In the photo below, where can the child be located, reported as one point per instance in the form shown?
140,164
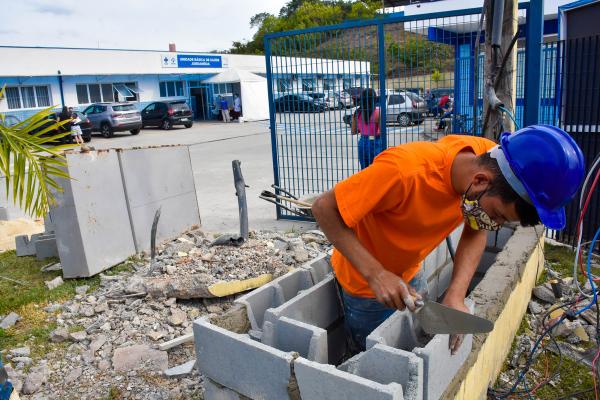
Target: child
76,129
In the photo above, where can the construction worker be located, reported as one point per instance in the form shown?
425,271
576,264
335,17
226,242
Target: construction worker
385,219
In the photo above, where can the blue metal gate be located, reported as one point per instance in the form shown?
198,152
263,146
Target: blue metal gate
316,75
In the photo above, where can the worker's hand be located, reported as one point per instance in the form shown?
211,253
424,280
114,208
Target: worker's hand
457,339
392,291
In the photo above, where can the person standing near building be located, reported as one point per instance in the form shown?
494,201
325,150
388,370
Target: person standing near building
366,121
224,109
75,128
237,107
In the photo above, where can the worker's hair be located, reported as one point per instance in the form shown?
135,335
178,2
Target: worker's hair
368,99
527,213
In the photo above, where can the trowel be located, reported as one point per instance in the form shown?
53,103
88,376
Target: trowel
437,318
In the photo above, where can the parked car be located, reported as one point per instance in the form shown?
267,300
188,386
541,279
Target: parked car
343,100
9,120
355,93
108,118
166,114
323,98
403,107
298,103
85,124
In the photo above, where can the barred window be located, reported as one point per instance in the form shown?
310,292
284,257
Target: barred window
28,97
171,88
13,98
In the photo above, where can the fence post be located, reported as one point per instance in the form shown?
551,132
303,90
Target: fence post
382,85
267,43
533,61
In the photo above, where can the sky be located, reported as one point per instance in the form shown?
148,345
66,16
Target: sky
193,25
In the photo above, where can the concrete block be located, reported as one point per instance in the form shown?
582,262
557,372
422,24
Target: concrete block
384,364
214,391
25,246
319,268
92,227
156,178
322,381
274,294
307,340
240,363
397,331
45,247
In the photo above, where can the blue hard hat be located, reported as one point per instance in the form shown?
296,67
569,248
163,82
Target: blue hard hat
545,166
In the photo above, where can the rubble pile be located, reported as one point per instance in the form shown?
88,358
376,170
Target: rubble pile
114,341
573,338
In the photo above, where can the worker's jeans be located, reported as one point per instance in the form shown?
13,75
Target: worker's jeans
368,150
362,315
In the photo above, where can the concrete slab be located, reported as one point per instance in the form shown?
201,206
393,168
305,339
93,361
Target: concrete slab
159,177
322,381
45,246
93,231
240,363
214,391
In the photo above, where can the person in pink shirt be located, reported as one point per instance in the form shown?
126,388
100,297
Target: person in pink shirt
366,122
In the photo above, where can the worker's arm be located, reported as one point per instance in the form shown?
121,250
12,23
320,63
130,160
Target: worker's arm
388,287
354,127
468,253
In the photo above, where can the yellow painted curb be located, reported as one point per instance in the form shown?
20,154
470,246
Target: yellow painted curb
496,346
221,289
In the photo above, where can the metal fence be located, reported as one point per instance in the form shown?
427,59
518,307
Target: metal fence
571,100
314,76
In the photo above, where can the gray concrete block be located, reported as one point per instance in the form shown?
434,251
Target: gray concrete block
322,381
25,246
307,340
384,364
240,363
154,178
274,294
397,331
45,247
92,227
214,391
319,268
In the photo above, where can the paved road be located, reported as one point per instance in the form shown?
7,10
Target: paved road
214,145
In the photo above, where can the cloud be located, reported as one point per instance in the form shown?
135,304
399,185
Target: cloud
53,9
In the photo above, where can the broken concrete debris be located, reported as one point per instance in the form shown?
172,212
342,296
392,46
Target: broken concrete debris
9,321
54,283
120,337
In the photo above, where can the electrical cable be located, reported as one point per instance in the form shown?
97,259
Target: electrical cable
510,115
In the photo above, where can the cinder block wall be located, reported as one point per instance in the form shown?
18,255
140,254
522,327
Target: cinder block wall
296,322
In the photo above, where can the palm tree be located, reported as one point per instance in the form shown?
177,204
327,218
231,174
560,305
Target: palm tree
31,163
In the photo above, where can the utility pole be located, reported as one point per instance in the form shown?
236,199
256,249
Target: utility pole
500,65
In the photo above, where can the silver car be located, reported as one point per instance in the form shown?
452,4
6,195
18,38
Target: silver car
405,108
108,118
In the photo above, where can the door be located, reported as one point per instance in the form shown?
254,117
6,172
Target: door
395,105
202,104
148,114
92,114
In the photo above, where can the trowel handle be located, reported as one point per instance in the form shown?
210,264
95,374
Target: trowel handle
419,303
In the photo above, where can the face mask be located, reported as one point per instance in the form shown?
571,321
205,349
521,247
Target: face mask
475,216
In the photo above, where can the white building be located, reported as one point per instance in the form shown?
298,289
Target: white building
38,77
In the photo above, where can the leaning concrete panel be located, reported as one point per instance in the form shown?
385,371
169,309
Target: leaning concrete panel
92,225
322,381
240,363
162,178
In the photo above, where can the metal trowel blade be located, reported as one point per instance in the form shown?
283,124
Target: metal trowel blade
437,318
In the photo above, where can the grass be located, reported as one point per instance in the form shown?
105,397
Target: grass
560,259
28,300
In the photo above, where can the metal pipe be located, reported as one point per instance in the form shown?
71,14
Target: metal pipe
497,20
240,192
60,86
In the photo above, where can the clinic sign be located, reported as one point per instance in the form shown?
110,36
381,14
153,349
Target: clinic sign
173,60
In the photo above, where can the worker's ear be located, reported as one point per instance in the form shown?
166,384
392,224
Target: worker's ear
481,181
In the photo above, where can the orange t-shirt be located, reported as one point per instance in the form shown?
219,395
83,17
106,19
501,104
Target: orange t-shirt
402,206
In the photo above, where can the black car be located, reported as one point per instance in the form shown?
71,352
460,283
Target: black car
298,103
166,114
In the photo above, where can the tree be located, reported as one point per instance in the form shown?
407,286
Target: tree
31,163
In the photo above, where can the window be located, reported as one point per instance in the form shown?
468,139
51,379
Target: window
308,84
27,97
171,89
395,99
283,85
151,107
95,96
347,83
82,94
106,92
328,84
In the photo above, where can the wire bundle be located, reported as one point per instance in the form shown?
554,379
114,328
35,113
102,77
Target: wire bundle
571,307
